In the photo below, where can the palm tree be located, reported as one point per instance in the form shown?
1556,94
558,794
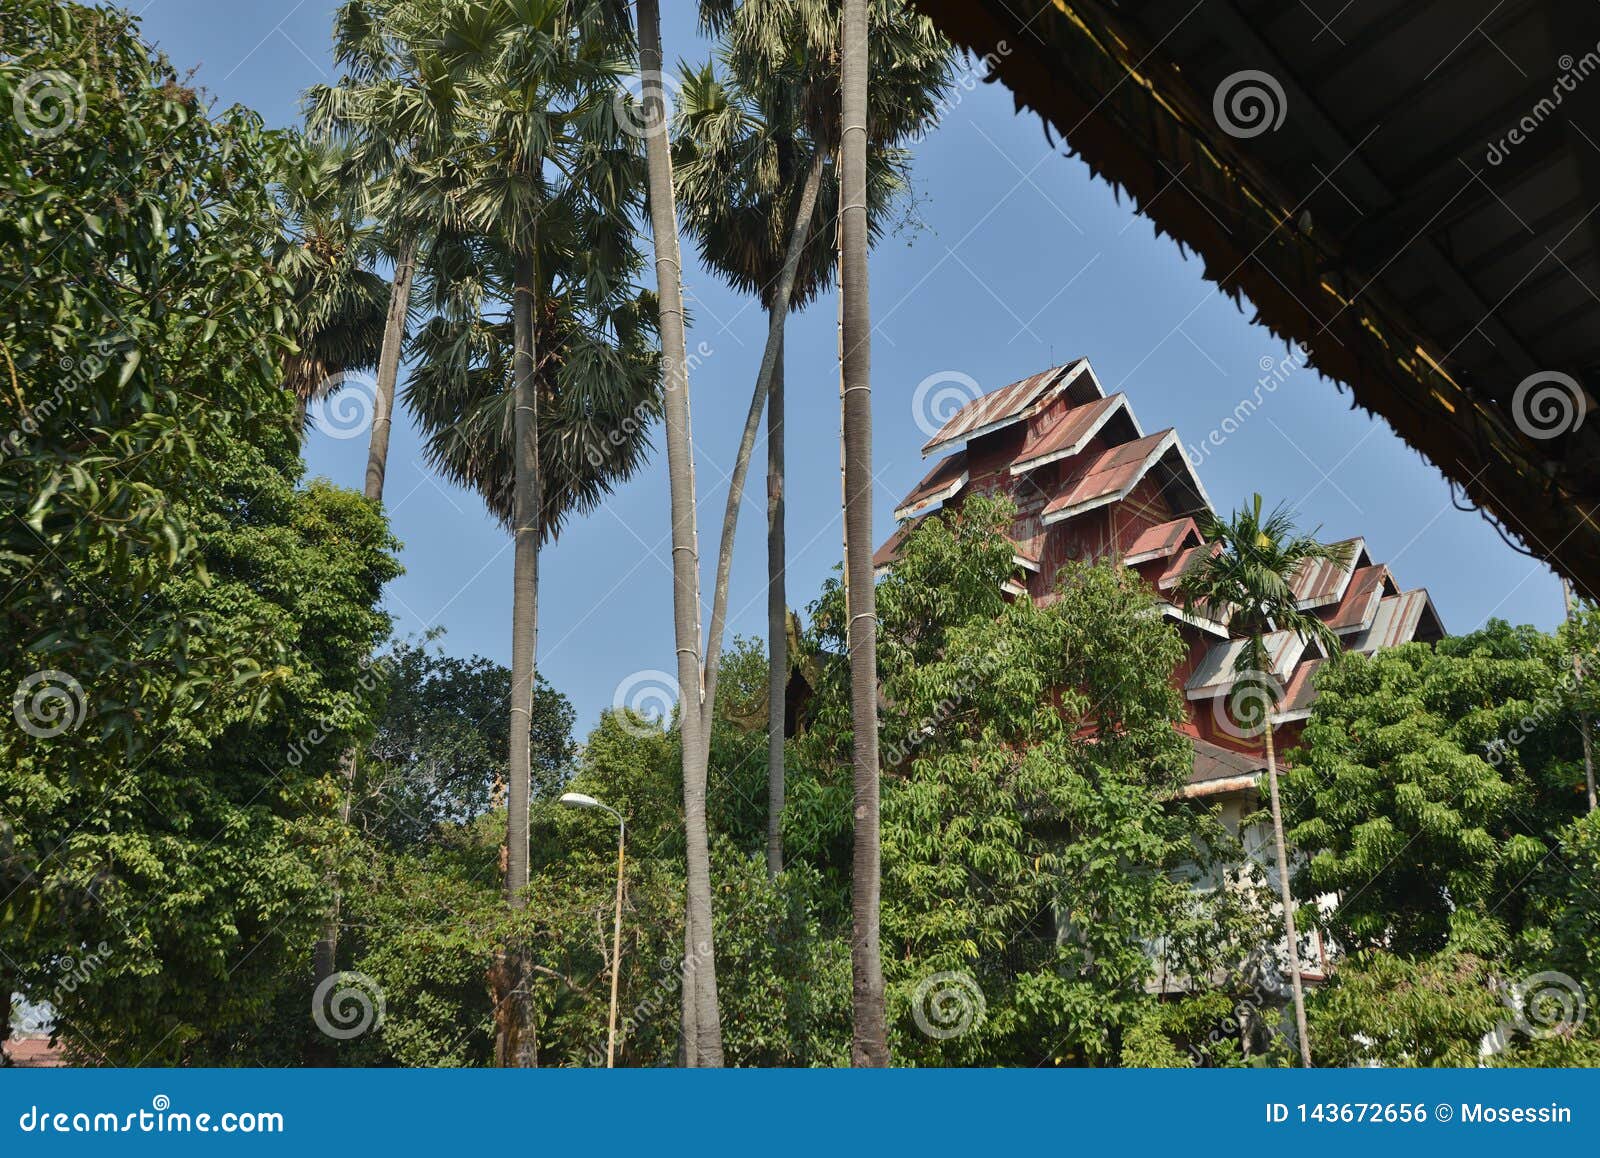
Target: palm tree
326,252
702,1032
544,177
1252,576
794,52
739,150
391,110
870,1044
738,168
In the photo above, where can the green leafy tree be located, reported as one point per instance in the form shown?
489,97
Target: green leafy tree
1438,795
1039,874
181,613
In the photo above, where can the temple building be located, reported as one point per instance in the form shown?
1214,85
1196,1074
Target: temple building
1090,484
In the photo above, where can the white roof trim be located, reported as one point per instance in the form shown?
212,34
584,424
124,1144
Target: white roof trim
1167,445
1120,405
1065,376
1173,611
911,510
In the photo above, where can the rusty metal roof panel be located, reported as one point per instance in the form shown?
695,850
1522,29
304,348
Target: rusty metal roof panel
1360,602
1186,558
890,551
1213,763
1216,674
1322,582
1108,476
943,482
998,408
1395,621
1067,436
1161,541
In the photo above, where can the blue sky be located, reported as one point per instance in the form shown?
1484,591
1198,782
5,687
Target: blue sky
1017,260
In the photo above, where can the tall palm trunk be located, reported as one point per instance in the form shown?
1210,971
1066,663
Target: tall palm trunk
777,619
770,355
1287,898
394,334
871,1040
1577,687
515,1042
324,957
701,1024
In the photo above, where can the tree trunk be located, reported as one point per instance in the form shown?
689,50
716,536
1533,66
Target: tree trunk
777,311
516,1045
871,1041
394,336
701,1022
1287,897
777,620
324,956
1577,687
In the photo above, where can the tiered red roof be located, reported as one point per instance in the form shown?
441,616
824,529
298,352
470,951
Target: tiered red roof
1090,484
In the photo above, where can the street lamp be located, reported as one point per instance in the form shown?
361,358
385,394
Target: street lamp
579,800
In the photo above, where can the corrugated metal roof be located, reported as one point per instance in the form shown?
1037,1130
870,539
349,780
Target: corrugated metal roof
1395,622
1186,559
1107,476
946,479
1160,541
997,408
1068,436
1322,582
890,551
1213,762
1360,602
1215,673
1300,693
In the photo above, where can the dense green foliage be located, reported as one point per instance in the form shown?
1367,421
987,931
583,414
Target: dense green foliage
188,623
1436,798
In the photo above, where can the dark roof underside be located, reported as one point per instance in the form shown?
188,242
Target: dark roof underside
1390,222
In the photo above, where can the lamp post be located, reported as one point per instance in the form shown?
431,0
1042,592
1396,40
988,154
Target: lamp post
579,800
